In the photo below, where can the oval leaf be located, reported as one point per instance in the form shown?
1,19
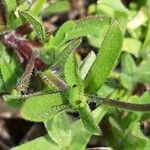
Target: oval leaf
43,107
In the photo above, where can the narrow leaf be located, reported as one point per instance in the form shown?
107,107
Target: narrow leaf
70,47
105,60
37,24
88,120
71,71
89,60
81,136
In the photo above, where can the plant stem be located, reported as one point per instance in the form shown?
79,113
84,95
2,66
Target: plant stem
119,104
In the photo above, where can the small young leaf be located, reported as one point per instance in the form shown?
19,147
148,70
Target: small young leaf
70,47
43,107
132,46
55,82
128,70
76,94
128,64
71,72
106,59
37,25
89,60
142,73
73,80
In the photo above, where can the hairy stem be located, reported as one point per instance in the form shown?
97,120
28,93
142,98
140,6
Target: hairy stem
119,104
23,82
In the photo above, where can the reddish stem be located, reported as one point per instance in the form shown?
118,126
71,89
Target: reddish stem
22,46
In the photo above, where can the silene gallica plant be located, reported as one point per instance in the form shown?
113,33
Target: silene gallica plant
46,79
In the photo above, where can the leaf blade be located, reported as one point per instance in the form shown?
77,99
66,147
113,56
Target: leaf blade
106,59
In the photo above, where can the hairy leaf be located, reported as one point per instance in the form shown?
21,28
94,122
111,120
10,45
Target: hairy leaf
87,26
43,107
70,47
37,24
105,60
88,120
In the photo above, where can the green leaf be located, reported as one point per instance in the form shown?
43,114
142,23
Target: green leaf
128,71
87,26
59,129
43,107
8,76
12,101
61,33
44,142
138,20
105,60
128,64
53,81
88,61
37,24
71,71
145,47
81,136
132,46
37,6
10,5
142,73
88,120
2,89
127,81
76,94
74,82
96,39
56,7
70,47
115,9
